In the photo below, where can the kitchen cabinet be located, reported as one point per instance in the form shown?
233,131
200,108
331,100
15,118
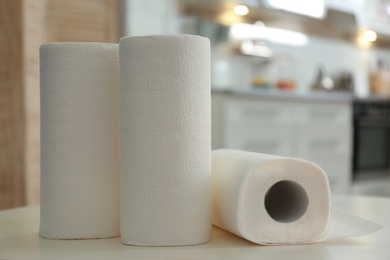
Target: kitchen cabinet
316,130
375,15
372,14
347,6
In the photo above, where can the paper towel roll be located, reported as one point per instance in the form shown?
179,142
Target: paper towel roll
79,140
165,140
271,199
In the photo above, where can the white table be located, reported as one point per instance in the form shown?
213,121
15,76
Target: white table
19,240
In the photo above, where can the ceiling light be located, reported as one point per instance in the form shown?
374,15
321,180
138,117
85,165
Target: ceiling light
286,37
243,31
249,47
246,31
370,35
363,43
241,10
313,8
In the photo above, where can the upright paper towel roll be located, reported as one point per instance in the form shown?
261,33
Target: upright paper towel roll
271,199
79,140
165,140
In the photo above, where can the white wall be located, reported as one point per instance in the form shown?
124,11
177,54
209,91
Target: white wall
231,70
333,55
147,17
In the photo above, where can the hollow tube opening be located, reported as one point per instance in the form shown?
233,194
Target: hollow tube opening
286,201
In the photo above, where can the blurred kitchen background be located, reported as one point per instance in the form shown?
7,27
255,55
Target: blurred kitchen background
302,78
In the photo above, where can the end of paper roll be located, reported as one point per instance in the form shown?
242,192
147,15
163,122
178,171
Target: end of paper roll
286,201
269,199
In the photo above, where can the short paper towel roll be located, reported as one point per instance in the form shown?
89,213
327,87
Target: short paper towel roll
165,140
79,140
270,199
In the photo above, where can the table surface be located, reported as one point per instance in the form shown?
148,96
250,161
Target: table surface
19,240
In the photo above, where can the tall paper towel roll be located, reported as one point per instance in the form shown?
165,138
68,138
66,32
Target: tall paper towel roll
79,140
165,140
271,199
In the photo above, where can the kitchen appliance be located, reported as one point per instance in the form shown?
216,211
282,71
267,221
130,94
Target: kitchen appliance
371,138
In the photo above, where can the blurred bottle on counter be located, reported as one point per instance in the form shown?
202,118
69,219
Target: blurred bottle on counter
260,74
380,79
285,72
276,72
322,81
344,81
341,81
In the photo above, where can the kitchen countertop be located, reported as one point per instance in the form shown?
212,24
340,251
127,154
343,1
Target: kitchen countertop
19,240
286,95
313,96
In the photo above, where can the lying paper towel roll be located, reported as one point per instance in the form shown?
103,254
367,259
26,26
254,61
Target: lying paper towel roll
165,140
271,199
79,140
